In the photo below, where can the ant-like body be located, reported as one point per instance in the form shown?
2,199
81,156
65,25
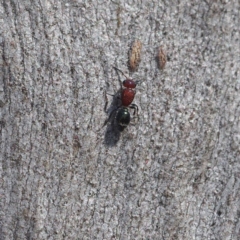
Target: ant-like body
127,95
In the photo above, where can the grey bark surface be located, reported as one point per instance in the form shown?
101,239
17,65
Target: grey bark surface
173,174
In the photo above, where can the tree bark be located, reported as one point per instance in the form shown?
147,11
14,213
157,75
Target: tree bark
173,173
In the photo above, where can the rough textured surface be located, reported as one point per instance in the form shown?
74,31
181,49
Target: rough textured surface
173,175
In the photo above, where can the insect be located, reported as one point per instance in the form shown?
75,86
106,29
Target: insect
135,55
127,95
162,58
